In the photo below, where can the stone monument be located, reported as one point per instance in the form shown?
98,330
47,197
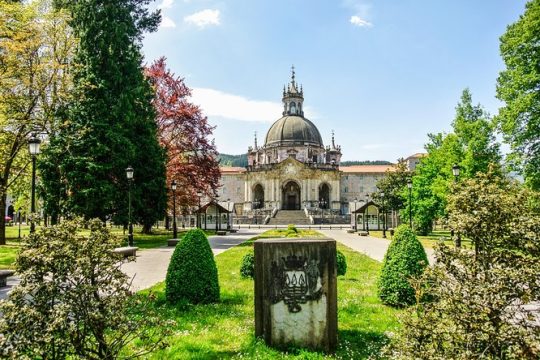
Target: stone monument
296,293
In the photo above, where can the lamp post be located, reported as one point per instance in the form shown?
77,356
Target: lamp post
33,147
455,171
129,175
19,216
355,224
384,217
366,213
199,195
228,214
173,188
409,186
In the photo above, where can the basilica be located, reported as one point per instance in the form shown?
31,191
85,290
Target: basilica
294,170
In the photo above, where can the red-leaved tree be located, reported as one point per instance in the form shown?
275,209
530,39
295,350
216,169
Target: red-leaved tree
186,134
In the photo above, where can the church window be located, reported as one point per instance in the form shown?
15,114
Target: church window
293,108
346,189
361,189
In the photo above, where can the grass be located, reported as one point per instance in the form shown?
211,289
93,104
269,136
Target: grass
159,237
226,330
429,241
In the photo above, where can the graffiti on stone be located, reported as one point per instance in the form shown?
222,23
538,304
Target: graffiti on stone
295,281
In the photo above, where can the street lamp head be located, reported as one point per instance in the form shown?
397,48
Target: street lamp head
409,184
455,170
129,173
173,185
33,145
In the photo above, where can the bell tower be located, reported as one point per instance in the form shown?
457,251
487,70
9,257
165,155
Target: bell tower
293,98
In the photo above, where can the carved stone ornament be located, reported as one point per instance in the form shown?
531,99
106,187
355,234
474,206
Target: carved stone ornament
290,169
295,280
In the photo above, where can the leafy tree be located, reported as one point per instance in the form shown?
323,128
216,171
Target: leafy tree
111,122
192,276
517,87
394,185
36,48
185,132
81,305
404,259
478,299
472,146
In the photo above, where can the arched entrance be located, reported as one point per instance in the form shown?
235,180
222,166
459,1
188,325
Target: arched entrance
291,196
258,197
324,196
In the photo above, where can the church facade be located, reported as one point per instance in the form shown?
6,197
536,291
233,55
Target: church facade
294,170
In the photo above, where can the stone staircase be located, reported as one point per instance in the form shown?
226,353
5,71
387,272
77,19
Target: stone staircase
286,217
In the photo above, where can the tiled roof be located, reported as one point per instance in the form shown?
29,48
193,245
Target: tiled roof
418,155
366,168
232,169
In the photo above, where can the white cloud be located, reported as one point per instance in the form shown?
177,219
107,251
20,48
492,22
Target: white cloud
167,22
217,103
204,18
165,4
358,21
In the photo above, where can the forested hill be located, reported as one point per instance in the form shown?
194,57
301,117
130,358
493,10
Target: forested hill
241,161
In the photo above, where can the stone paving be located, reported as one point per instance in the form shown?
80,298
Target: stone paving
373,247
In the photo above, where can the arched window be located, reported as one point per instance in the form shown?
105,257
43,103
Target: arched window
292,108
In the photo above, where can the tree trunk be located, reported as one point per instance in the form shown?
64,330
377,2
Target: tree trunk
147,229
3,199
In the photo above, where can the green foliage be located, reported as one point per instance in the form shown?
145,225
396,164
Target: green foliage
341,263
81,302
365,162
233,160
517,87
247,269
292,227
192,274
110,124
394,186
405,259
479,297
472,146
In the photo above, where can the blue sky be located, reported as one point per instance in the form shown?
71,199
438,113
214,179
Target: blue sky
382,74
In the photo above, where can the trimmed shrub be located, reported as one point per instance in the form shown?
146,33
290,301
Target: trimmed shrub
247,269
292,228
404,259
192,275
341,263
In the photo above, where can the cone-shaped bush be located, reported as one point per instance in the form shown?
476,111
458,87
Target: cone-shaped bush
404,259
192,275
341,263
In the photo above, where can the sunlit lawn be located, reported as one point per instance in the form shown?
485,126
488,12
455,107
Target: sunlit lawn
158,238
226,330
430,240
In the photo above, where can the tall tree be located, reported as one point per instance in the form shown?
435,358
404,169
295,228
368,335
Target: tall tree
185,132
36,48
393,184
472,146
110,124
518,87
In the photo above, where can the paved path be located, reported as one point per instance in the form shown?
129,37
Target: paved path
150,267
373,247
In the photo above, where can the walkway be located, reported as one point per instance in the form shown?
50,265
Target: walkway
150,266
373,247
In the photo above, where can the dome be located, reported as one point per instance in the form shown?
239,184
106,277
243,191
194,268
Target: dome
293,130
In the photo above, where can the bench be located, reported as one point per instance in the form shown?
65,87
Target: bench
351,231
363,233
221,232
127,251
4,274
173,242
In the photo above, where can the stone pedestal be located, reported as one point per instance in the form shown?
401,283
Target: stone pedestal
296,293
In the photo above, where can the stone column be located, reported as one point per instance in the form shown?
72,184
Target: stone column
296,293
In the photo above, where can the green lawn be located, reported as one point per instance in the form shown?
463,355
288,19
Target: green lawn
430,240
226,330
158,238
